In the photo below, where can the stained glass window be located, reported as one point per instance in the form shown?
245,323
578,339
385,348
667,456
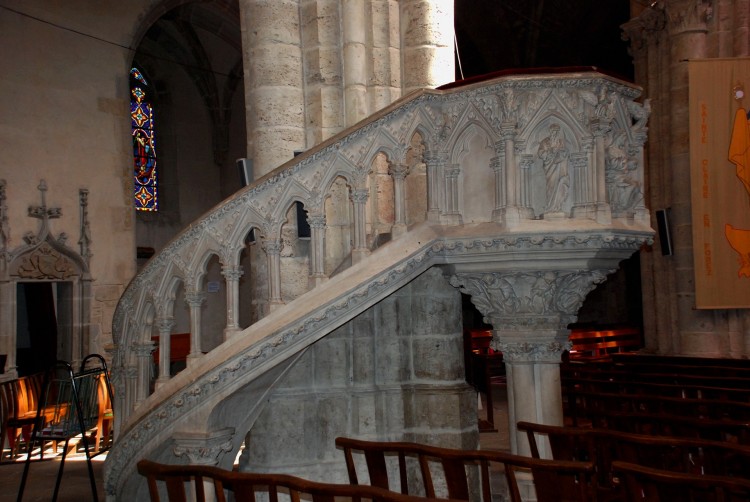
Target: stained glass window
144,147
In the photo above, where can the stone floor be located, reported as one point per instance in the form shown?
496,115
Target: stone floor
75,485
40,483
499,438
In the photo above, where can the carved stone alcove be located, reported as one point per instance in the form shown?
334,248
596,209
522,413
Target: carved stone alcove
45,259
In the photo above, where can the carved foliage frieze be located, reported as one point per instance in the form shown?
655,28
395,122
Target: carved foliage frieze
46,263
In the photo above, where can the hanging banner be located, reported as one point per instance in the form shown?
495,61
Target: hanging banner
720,181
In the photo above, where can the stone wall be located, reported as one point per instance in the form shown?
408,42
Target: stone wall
395,372
664,38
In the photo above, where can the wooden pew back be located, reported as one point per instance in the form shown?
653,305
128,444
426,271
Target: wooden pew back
193,482
553,480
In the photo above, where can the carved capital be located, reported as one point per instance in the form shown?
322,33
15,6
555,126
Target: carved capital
272,246
204,449
165,324
359,196
195,298
398,171
316,221
452,171
532,352
143,349
508,129
643,30
232,273
544,300
686,16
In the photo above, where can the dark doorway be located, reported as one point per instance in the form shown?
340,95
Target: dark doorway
36,341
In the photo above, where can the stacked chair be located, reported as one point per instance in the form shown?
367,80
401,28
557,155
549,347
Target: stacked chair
72,404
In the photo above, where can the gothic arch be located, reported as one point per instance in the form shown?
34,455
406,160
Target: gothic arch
45,258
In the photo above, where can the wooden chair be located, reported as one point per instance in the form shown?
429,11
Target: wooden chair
655,485
104,399
69,408
553,480
20,398
181,480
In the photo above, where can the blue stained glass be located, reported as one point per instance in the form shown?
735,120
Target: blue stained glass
144,144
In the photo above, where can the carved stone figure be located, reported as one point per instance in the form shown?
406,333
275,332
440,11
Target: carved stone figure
623,185
554,157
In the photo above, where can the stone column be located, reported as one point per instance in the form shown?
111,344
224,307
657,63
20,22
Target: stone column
232,274
323,61
507,178
195,300
359,198
273,82
427,43
686,24
451,214
143,351
600,127
434,163
165,325
530,311
317,224
272,247
399,172
354,14
385,55
649,45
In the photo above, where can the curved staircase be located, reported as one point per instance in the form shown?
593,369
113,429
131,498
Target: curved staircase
488,227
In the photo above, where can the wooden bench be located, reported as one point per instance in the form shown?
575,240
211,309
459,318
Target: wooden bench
602,343
179,480
553,480
602,447
645,483
620,385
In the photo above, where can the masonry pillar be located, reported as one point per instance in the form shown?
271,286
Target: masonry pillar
508,180
143,353
353,14
165,325
272,247
399,172
273,81
434,163
530,311
317,224
686,23
359,198
427,43
451,212
195,300
232,275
